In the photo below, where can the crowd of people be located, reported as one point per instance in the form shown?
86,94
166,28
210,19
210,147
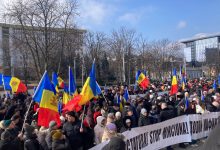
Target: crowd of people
103,118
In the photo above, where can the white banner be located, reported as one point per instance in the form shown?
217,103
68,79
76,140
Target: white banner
202,125
157,136
177,130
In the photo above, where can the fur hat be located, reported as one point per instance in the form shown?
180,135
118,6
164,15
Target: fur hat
56,134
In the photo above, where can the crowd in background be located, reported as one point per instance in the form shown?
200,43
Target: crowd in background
104,119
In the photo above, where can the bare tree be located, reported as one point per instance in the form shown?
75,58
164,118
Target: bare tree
44,24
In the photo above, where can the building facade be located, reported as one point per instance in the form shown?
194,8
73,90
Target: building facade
195,48
15,54
202,52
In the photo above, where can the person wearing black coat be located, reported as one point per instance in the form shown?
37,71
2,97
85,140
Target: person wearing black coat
144,119
59,141
30,139
73,131
6,142
115,143
166,113
127,124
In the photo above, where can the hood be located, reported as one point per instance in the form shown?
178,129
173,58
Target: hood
99,120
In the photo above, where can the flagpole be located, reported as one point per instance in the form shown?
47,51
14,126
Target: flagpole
26,114
83,116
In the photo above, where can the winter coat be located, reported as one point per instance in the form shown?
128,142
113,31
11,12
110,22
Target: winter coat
99,130
125,127
8,145
48,139
166,114
42,139
143,120
61,145
31,142
115,143
72,132
119,124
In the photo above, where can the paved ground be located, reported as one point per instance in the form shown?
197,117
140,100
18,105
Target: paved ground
189,147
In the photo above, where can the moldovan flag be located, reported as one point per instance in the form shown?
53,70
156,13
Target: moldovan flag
142,80
66,96
14,84
90,88
57,81
45,95
183,83
174,86
72,84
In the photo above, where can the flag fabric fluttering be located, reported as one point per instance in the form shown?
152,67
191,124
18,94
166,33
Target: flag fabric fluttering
183,83
214,86
142,80
73,105
202,97
66,96
1,78
45,95
57,81
72,84
219,81
119,102
90,88
174,85
126,94
14,84
186,103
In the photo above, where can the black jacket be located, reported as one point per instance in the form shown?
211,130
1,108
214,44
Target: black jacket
143,120
31,143
61,145
8,145
72,131
167,114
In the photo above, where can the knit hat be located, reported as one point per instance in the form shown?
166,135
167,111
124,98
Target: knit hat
72,114
52,124
2,124
118,114
143,110
111,127
7,123
56,134
128,121
5,135
28,129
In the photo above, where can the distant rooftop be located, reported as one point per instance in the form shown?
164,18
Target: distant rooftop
200,37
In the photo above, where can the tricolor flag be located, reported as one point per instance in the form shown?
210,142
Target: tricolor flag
214,85
186,103
202,97
72,84
57,81
174,85
219,81
1,79
126,94
13,84
142,80
45,95
90,88
119,102
183,82
66,96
